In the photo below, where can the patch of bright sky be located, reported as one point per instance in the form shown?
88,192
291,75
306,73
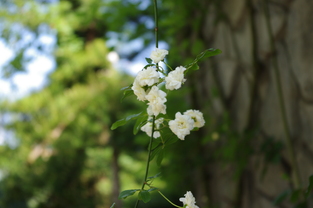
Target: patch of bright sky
34,78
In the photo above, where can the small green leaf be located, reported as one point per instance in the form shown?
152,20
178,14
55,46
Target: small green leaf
112,205
208,53
127,93
205,54
152,189
171,138
139,123
155,152
123,121
194,67
144,196
148,65
127,193
160,157
149,60
155,176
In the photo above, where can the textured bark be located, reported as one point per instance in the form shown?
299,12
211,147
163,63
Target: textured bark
244,75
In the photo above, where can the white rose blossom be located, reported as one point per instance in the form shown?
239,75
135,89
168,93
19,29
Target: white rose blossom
197,116
158,55
148,127
156,98
147,77
139,91
182,125
175,78
189,200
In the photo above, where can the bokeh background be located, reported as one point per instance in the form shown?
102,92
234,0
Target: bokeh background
57,149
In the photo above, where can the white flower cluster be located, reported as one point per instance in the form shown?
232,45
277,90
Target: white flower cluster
183,124
189,200
145,87
148,127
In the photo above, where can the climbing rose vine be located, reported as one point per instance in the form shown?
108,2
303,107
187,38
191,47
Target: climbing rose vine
151,86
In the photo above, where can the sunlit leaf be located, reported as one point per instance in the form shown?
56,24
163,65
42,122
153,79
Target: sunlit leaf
144,196
127,193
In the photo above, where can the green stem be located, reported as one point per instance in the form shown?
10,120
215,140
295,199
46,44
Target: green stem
156,27
169,200
148,159
295,169
153,118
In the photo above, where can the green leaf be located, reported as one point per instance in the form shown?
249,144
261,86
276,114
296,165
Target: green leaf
112,205
310,187
149,60
155,152
205,54
127,92
145,196
148,65
152,189
208,53
155,176
171,139
160,157
127,193
123,121
139,123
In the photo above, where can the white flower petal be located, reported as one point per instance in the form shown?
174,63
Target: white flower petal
182,125
189,200
158,55
156,98
175,78
197,116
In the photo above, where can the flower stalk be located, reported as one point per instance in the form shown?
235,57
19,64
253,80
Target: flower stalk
168,200
148,159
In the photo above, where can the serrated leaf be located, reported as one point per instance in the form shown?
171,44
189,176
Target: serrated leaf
149,60
139,123
127,193
123,121
144,196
